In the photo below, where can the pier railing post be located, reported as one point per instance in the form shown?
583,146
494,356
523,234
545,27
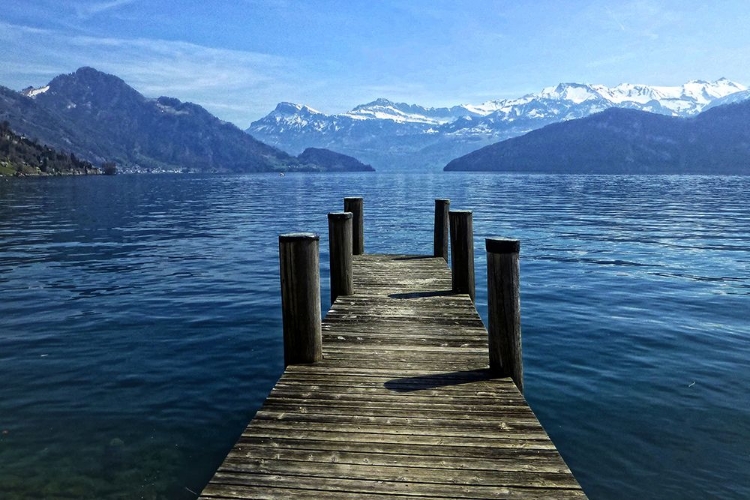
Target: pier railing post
340,250
462,252
299,256
441,228
354,205
504,308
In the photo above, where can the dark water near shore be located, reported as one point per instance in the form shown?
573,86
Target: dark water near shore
140,322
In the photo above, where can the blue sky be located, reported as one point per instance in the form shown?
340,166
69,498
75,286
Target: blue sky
238,58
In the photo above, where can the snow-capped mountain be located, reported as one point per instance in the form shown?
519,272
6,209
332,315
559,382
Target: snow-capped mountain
399,135
734,98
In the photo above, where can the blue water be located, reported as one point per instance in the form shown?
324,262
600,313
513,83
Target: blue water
140,322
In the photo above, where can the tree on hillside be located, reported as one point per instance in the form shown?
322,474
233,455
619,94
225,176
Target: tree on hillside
109,168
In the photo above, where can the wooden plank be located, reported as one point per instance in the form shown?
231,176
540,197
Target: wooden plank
356,487
391,455
402,405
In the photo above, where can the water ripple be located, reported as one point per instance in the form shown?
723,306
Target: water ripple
141,319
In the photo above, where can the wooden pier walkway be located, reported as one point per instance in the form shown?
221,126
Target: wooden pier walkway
402,406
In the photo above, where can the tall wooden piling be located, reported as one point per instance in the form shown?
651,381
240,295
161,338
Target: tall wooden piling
340,249
442,207
504,308
462,251
300,297
355,206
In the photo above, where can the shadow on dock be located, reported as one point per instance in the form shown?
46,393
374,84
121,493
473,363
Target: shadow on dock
413,257
435,380
419,295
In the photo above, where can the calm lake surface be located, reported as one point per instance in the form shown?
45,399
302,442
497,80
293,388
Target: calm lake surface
140,320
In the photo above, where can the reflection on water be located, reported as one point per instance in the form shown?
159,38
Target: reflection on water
141,320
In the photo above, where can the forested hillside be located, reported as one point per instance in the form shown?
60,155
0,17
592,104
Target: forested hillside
22,156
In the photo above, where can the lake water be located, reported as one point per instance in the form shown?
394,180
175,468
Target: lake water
140,321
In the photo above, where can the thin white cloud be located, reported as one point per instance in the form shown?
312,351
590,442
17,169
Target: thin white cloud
235,85
639,18
615,18
88,10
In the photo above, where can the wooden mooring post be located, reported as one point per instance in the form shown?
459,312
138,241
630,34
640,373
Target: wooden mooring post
299,260
442,207
462,252
504,308
355,206
340,250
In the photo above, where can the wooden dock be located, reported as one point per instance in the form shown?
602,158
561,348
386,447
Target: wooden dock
402,405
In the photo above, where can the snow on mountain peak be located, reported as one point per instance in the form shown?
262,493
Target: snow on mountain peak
384,109
384,132
573,92
33,92
558,101
290,108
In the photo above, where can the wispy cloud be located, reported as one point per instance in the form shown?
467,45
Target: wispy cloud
238,86
615,18
88,10
639,18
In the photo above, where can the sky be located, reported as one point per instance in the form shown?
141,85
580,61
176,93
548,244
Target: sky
239,58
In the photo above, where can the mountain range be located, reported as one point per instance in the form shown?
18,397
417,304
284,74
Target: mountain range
626,141
405,136
101,119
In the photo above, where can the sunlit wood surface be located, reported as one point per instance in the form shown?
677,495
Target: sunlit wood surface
402,406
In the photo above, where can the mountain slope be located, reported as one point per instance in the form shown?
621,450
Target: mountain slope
99,117
620,141
22,156
401,136
332,161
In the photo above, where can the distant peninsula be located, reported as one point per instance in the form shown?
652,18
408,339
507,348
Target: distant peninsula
625,141
335,162
99,118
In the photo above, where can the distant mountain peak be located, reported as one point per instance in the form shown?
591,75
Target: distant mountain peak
381,101
89,75
101,118
387,133
33,92
290,108
625,141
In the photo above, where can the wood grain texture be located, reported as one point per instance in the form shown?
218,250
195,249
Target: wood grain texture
356,207
340,252
462,252
299,262
402,406
504,309
441,236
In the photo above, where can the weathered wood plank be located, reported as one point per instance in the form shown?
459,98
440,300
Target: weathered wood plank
358,486
402,406
434,453
338,470
505,459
